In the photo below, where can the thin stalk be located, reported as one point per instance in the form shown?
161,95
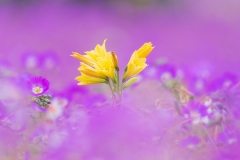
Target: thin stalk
117,81
215,132
209,137
118,87
118,91
111,89
121,90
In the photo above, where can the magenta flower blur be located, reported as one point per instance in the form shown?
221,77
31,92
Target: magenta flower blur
38,85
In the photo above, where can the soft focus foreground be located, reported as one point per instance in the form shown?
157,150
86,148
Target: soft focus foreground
184,106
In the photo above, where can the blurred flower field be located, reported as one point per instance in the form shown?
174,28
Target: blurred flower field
119,80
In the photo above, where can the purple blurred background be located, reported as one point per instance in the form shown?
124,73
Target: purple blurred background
186,33
199,39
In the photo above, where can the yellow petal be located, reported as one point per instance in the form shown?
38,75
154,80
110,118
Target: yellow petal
90,71
82,58
140,62
91,55
145,50
101,50
84,80
133,70
129,72
139,69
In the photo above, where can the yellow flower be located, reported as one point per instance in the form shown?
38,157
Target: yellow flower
90,71
85,80
137,61
105,65
100,66
99,59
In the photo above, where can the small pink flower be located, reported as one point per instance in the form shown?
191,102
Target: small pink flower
38,85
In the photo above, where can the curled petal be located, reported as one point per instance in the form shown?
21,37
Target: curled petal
85,80
83,58
145,50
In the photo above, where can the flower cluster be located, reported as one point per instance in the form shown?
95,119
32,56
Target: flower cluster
101,66
206,107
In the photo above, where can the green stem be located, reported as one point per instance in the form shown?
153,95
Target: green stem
121,89
118,82
107,81
118,91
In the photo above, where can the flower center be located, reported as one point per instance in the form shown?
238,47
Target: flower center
37,89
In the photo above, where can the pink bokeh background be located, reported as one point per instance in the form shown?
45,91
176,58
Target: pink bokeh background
186,33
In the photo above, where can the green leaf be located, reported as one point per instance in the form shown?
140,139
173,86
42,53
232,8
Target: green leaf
130,82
